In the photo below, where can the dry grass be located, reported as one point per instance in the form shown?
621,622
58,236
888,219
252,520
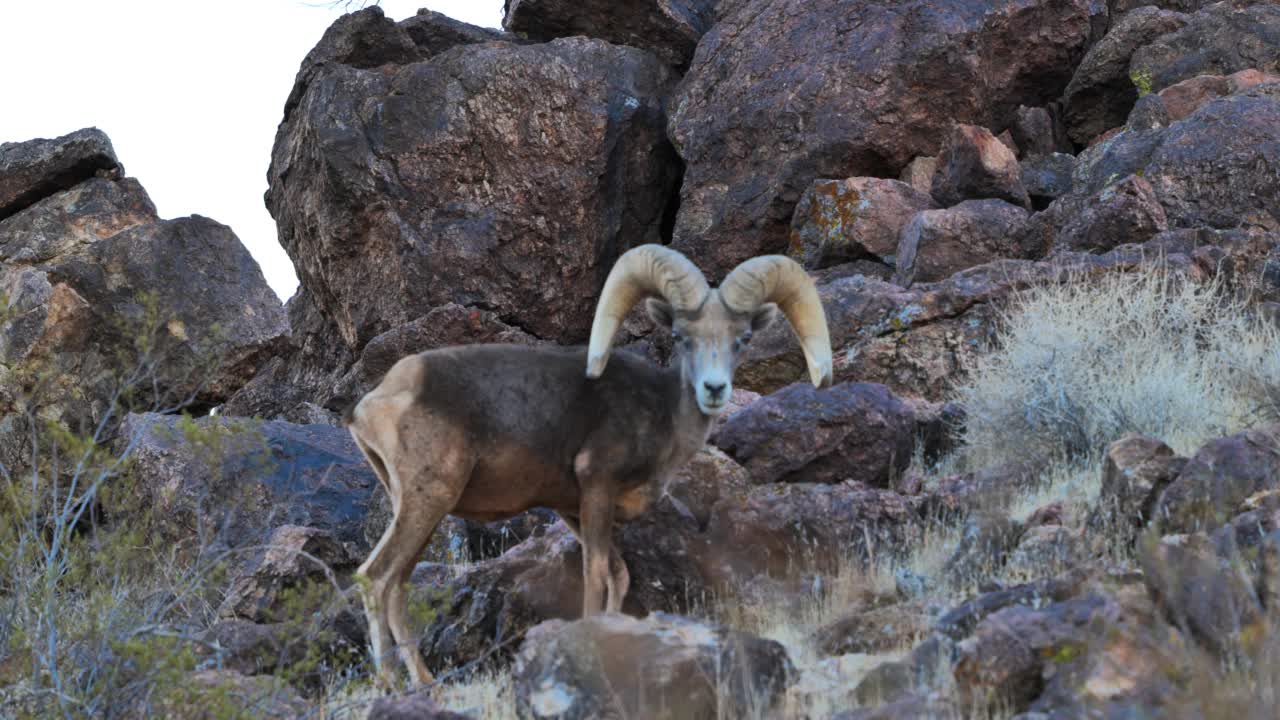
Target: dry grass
1083,362
485,694
1073,483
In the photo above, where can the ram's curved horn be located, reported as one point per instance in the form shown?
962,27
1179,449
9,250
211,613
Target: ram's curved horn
644,271
779,279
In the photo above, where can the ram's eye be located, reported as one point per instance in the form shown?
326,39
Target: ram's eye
677,338
741,342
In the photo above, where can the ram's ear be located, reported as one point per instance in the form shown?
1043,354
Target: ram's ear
660,312
764,317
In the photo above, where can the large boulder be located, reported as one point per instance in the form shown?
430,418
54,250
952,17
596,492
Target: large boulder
495,176
69,221
1218,40
838,221
1209,169
220,318
853,431
1206,170
782,92
938,243
664,666
1101,93
669,29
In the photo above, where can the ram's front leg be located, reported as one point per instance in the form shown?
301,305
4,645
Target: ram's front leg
619,579
595,516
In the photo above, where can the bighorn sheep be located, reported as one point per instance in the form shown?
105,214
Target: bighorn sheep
488,431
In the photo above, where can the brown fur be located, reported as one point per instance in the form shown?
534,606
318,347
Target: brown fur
489,431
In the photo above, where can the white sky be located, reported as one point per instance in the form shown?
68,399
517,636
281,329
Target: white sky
189,92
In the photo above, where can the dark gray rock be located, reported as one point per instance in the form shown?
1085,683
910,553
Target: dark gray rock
1125,212
236,479
220,317
1217,480
1035,130
852,431
35,169
1220,39
669,29
1047,177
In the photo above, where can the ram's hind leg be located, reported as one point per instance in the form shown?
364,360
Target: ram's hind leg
428,464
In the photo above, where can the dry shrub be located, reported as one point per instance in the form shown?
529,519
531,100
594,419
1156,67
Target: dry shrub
1082,362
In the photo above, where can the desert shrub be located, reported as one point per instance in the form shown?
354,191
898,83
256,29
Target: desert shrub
97,617
1082,362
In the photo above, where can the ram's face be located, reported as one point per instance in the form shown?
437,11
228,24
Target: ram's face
709,343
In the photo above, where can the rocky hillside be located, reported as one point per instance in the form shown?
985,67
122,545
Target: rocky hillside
1046,235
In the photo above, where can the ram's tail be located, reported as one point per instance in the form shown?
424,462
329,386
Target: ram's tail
348,405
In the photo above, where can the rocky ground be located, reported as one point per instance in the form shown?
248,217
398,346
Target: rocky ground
1046,484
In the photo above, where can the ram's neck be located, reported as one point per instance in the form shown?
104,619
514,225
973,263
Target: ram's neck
692,426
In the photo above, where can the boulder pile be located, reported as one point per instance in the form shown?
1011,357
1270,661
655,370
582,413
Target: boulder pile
436,183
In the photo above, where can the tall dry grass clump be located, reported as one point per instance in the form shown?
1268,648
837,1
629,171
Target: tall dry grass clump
1082,362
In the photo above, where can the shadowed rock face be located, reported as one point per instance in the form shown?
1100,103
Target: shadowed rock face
783,92
1101,93
974,165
